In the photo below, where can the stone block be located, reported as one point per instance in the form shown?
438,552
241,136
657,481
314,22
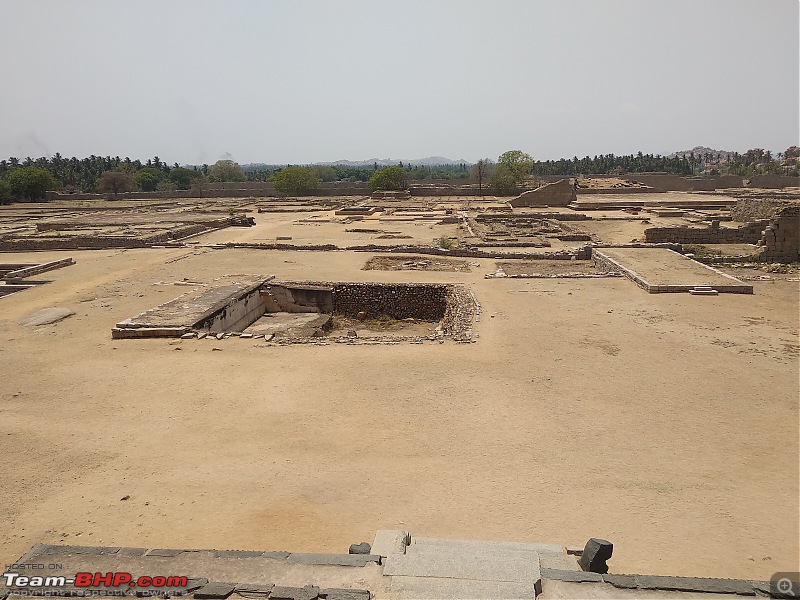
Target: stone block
595,554
215,590
390,541
362,548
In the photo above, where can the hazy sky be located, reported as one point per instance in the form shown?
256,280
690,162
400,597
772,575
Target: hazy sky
301,81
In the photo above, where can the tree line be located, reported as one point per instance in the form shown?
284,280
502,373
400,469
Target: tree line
30,178
753,162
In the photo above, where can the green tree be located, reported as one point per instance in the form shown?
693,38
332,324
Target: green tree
31,183
325,173
114,182
148,178
389,178
5,192
226,170
183,178
298,181
512,170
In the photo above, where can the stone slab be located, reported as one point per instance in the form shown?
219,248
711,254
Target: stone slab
46,316
276,555
470,544
562,562
237,553
90,550
621,581
164,552
570,575
256,589
390,541
345,594
413,588
342,560
282,592
516,567
660,270
695,584
215,590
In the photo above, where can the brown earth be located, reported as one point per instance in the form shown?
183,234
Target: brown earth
548,267
415,263
667,423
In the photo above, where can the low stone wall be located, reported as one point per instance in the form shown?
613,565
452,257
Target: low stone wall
399,301
781,239
746,234
453,190
78,242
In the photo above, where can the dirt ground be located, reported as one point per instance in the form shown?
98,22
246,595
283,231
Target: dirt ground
416,263
547,267
666,423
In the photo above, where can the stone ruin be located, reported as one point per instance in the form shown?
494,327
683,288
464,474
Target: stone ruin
257,307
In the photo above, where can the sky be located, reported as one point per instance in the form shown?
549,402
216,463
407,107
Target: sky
302,81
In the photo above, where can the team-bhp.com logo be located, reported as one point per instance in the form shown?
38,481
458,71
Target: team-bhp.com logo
95,580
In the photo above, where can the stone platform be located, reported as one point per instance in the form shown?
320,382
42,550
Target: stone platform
397,566
660,270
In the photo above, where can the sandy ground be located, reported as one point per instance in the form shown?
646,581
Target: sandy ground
667,423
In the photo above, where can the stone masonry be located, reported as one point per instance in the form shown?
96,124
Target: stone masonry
399,301
746,234
781,238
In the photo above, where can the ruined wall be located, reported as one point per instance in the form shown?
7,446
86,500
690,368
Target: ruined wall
399,301
560,193
452,190
750,209
746,234
773,181
237,315
667,182
781,239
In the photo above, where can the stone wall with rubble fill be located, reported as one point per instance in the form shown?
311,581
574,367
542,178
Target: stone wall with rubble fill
746,234
399,301
781,238
460,315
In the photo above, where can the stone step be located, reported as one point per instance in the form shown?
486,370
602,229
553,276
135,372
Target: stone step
520,567
412,588
453,545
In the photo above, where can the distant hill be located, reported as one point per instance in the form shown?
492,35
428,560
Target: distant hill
384,162
701,150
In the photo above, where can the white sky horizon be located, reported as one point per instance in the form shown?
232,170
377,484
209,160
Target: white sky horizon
307,81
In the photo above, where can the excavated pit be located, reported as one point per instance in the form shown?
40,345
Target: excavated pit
294,312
